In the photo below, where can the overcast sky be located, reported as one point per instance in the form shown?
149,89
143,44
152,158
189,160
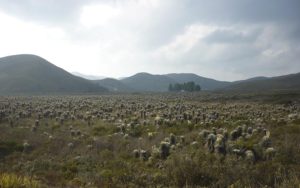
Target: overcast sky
225,40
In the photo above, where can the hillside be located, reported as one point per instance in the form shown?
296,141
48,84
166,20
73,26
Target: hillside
258,78
205,83
27,74
113,85
160,83
30,74
148,82
88,77
286,82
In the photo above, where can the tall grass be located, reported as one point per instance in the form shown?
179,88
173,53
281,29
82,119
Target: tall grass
14,181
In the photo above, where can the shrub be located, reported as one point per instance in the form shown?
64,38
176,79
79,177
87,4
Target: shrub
15,181
7,148
188,172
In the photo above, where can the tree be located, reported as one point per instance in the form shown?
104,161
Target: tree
187,86
170,87
197,88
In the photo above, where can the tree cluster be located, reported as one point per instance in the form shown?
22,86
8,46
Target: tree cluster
188,86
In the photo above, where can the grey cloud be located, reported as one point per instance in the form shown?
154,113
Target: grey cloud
241,11
210,10
170,21
229,36
221,13
44,11
241,56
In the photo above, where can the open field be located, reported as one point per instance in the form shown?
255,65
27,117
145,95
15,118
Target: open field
151,140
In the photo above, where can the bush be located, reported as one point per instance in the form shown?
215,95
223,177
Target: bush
15,181
188,172
7,148
136,132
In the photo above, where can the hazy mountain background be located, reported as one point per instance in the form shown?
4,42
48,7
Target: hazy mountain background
205,83
148,82
114,85
88,77
286,82
160,83
27,74
32,74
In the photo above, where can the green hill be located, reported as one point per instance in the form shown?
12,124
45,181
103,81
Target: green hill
205,83
148,82
113,85
160,83
279,83
31,74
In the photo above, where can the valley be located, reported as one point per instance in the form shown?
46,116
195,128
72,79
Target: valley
151,140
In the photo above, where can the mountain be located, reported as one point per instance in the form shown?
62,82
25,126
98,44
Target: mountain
286,82
258,78
159,83
88,77
113,85
148,82
205,83
28,74
31,74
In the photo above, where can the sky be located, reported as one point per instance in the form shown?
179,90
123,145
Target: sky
225,40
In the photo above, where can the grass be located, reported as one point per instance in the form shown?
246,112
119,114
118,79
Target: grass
8,147
109,159
14,181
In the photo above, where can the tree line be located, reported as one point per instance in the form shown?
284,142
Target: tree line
187,86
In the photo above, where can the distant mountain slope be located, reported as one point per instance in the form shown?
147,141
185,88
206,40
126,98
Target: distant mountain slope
286,82
250,79
113,85
30,74
148,82
205,83
160,83
24,74
88,77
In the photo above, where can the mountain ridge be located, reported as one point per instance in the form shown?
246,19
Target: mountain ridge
88,77
205,83
284,82
159,83
27,73
113,85
148,82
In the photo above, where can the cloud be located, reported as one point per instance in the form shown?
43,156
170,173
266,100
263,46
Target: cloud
231,36
44,12
97,15
183,43
227,40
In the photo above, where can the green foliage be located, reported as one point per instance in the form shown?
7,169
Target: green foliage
188,172
7,147
101,130
15,181
188,86
101,158
136,131
249,143
70,169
